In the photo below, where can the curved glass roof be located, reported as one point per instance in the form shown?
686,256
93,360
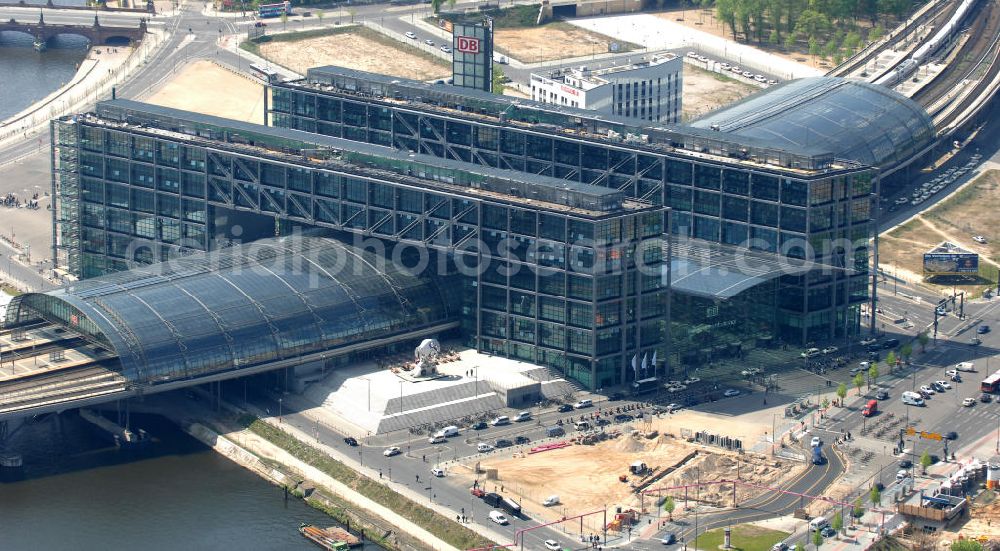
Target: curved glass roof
243,306
856,121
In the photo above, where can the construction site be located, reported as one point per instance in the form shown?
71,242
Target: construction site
620,468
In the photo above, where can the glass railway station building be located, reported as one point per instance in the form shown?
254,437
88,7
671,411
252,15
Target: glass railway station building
572,240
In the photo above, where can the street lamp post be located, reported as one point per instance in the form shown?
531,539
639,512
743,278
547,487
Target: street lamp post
279,409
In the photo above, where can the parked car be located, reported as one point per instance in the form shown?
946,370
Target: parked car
429,42
828,532
882,394
437,439
830,350
951,372
565,408
902,474
669,538
810,353
552,545
503,443
985,398
623,418
479,425
729,393
410,35
780,546
936,387
691,380
969,402
927,389
483,447
868,341
438,472
905,464
944,384
890,343
351,441
983,329
979,239
583,404
446,49
522,440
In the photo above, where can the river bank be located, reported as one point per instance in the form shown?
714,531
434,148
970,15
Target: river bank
104,67
174,493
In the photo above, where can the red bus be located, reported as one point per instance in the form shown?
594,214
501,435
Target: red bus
991,384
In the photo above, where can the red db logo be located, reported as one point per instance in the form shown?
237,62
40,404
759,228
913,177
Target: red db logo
467,45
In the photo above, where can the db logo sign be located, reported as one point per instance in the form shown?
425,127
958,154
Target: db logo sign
467,45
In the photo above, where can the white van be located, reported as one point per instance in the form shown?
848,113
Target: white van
583,404
501,420
497,517
523,416
912,399
551,500
966,366
581,425
447,432
818,523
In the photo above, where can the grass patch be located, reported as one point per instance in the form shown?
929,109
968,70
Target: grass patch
442,527
9,289
745,537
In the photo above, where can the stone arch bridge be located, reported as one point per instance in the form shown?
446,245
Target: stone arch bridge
97,34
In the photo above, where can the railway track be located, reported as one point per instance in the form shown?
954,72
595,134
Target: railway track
851,65
984,29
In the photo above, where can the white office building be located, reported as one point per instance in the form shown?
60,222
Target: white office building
648,90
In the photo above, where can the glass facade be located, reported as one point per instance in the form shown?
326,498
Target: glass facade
244,306
821,215
567,276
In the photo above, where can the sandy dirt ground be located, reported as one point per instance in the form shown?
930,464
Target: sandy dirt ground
195,88
704,20
706,91
955,220
552,41
586,476
342,49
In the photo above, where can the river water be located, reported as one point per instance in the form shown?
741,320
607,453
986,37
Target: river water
80,493
27,75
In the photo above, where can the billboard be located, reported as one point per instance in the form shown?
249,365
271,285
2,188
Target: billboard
472,55
951,264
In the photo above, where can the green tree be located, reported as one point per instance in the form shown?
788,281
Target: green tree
875,495
451,4
906,351
436,5
890,360
814,46
831,48
498,79
774,38
966,545
790,40
838,522
925,461
876,33
668,506
817,539
873,374
799,547
923,339
859,381
320,15
842,392
858,509
851,41
284,20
